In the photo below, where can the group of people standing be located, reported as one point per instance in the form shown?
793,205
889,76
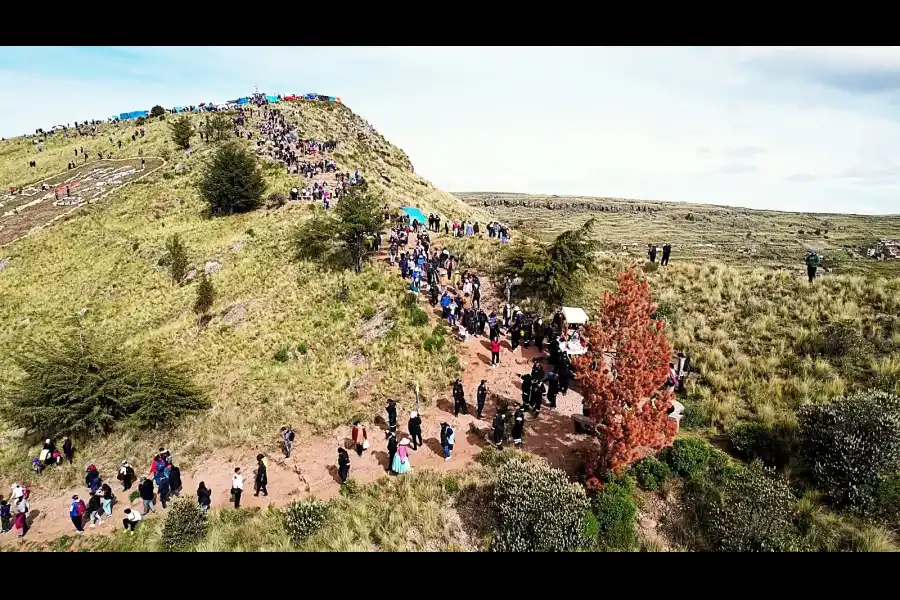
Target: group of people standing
666,252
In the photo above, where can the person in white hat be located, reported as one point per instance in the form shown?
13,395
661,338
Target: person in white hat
401,459
415,430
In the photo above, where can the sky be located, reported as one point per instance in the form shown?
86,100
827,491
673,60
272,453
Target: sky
785,128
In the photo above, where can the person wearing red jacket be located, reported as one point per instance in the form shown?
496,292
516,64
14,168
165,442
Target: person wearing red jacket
359,436
495,352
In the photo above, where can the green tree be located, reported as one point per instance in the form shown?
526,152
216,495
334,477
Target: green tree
552,273
233,181
342,240
84,386
178,259
182,131
361,217
157,111
206,294
218,128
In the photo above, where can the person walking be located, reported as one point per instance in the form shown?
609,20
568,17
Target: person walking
132,518
552,389
480,398
392,450
237,487
392,416
106,499
447,439
813,262
667,251
76,513
287,438
518,428
93,510
175,480
459,398
400,463
68,451
145,491
262,476
126,475
343,465
415,430
204,497
360,438
498,428
164,487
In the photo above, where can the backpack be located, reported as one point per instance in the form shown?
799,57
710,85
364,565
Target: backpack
5,511
80,508
291,435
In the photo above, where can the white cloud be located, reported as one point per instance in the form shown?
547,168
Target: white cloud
784,128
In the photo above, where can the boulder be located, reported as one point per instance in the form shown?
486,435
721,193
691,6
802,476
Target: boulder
191,275
212,267
4,262
235,314
182,168
237,246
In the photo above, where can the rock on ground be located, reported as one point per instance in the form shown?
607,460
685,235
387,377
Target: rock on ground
235,315
211,267
4,262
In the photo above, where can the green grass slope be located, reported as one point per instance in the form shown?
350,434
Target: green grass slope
343,360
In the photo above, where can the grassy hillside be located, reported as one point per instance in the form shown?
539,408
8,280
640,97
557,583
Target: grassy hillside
344,355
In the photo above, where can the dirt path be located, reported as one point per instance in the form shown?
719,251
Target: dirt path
311,470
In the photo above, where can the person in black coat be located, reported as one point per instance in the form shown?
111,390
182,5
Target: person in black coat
392,416
175,480
526,388
163,489
262,477
552,389
499,425
480,398
518,428
392,450
145,490
537,395
459,398
204,496
415,430
565,375
343,465
68,451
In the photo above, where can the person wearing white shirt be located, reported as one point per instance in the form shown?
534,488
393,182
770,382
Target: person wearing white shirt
237,487
132,518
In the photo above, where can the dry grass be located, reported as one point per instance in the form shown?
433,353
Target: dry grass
105,257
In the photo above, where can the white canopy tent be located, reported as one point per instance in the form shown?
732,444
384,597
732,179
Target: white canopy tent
574,315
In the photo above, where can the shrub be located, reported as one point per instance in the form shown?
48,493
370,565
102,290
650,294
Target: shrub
434,343
754,440
282,355
182,131
418,317
275,200
368,312
177,258
616,516
850,443
837,340
302,348
754,514
232,182
302,518
85,387
591,530
140,122
410,301
887,500
206,295
185,525
687,456
157,111
538,509
651,473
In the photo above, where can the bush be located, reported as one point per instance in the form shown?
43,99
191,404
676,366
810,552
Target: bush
754,440
177,259
84,387
418,317
140,122
157,111
755,513
302,348
282,355
434,343
275,200
850,443
182,131
887,500
616,517
687,456
538,509
185,525
839,340
302,518
368,312
651,473
232,182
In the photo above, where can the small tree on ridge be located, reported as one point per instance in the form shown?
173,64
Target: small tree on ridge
182,131
233,181
205,296
178,260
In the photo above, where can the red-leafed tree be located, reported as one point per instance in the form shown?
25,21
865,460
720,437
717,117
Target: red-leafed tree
622,374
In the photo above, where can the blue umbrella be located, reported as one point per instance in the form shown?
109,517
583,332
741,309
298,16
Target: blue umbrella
414,214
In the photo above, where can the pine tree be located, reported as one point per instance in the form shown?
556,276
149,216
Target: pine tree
178,260
233,181
205,296
182,131
621,375
361,216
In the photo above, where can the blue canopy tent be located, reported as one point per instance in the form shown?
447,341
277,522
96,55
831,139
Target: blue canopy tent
414,214
134,114
272,99
243,101
178,109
